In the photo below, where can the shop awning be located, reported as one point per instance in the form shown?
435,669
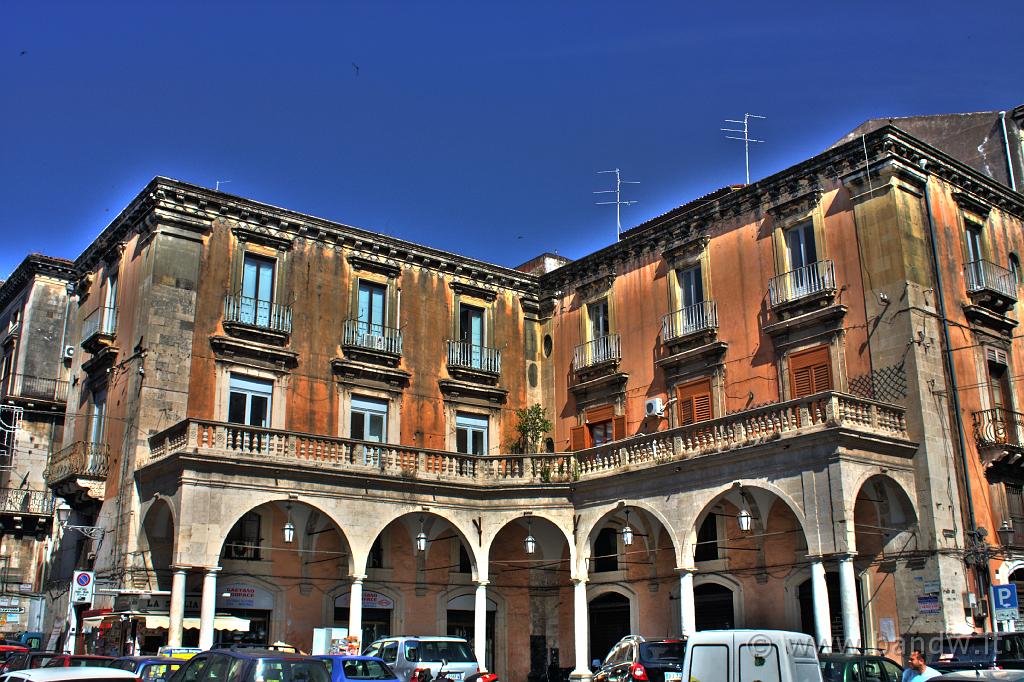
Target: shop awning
162,620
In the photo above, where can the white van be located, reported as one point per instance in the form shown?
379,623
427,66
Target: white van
751,656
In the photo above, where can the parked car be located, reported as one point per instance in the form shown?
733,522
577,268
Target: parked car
346,668
148,668
859,667
408,656
33,640
748,655
983,676
67,675
28,660
1003,650
8,650
251,665
641,659
78,661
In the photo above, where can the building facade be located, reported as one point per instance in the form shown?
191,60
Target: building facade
279,423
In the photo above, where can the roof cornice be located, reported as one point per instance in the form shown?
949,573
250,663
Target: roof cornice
34,264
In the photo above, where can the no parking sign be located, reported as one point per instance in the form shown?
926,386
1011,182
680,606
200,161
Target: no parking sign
83,587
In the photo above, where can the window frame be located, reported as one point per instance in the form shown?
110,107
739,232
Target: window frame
470,423
98,415
698,396
809,359
368,407
236,386
371,286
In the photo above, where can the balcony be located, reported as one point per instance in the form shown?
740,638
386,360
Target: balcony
993,291
373,342
603,350
999,435
463,355
26,513
78,473
813,282
256,319
759,432
99,329
701,318
24,388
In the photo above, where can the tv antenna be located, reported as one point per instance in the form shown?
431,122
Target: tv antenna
619,203
221,182
746,139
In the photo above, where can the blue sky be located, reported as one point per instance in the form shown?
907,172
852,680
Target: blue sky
476,127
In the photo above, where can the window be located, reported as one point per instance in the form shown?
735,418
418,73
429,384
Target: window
707,540
98,419
376,558
471,333
471,434
243,540
369,419
973,237
5,370
371,307
465,565
601,432
600,425
597,316
389,654
801,250
257,290
810,372
694,401
691,288
1001,397
110,306
249,401
606,550
15,320
1014,267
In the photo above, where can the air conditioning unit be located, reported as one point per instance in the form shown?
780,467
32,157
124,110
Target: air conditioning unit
69,352
654,408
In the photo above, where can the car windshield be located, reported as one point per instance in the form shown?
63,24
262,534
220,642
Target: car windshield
970,649
669,652
123,665
365,670
453,652
89,663
297,670
158,671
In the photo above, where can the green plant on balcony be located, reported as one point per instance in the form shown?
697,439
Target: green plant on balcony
531,426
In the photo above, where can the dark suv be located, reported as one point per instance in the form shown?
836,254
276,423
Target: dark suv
642,659
1004,650
858,667
252,665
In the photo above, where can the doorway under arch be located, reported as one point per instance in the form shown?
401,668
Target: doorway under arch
609,622
715,607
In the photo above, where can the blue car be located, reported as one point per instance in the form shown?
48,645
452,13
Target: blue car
148,668
357,668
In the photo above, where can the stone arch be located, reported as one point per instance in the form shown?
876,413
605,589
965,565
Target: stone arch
157,538
583,552
408,519
884,516
733,585
500,652
596,591
547,519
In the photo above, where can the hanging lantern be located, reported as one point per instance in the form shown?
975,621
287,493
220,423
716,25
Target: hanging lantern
421,538
530,543
627,532
289,527
744,519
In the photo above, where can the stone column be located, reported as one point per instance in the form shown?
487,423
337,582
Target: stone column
177,607
208,607
822,617
687,605
848,598
480,625
355,609
581,625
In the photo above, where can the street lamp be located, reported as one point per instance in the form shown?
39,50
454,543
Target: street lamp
421,538
1005,534
289,527
530,543
743,519
627,532
91,532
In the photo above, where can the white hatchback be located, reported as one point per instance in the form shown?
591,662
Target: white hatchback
84,674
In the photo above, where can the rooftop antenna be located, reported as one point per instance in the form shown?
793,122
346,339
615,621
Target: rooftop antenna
221,182
746,139
619,203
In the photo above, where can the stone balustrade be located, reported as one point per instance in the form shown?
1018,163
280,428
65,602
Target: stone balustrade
739,430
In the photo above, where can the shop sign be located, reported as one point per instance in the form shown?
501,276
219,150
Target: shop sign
371,600
244,596
928,605
12,609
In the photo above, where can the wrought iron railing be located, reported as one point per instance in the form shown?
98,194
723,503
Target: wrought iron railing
258,313
100,321
361,334
689,320
750,428
602,349
998,426
19,500
81,459
796,284
983,275
38,388
471,356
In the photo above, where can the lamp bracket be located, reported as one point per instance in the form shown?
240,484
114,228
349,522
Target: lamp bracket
91,532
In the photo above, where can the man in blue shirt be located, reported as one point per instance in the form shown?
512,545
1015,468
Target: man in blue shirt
917,671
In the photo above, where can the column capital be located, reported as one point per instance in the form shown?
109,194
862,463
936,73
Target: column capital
211,569
577,581
686,570
180,568
358,578
844,556
482,583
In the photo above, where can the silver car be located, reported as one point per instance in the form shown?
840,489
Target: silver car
408,656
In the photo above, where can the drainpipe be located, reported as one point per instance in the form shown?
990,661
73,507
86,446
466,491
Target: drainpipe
955,390
1006,147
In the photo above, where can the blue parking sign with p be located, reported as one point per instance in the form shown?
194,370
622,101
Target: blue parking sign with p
1004,602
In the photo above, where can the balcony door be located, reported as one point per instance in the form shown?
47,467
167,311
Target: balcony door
257,290
371,308
110,306
691,295
98,418
471,332
1002,401
801,253
471,434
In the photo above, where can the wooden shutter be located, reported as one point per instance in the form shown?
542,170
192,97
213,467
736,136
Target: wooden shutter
694,400
810,372
578,438
600,414
619,427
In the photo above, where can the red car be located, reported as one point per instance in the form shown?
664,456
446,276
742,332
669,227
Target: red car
83,661
8,650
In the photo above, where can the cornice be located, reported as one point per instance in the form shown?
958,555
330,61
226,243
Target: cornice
34,264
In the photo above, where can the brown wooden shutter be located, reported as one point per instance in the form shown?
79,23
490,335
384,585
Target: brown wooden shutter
600,414
810,372
619,427
578,438
694,400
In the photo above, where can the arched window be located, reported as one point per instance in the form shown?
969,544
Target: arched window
1015,268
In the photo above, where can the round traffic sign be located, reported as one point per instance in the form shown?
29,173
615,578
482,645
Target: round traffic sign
83,579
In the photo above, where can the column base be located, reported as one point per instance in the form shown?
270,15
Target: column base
577,676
